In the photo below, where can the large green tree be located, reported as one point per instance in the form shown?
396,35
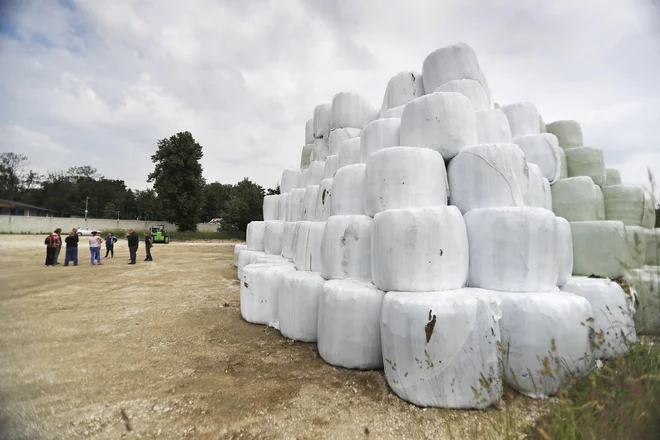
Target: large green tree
244,205
178,180
12,168
215,197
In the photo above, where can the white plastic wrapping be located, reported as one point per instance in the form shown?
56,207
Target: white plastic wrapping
492,126
564,164
457,61
652,240
419,250
349,152
271,207
612,312
349,324
600,248
299,297
542,150
568,133
255,236
542,124
237,250
309,131
348,190
246,257
339,135
290,180
321,150
404,177
295,204
401,89
545,339
379,134
315,172
288,244
625,203
300,242
612,177
351,110
512,249
281,206
440,349
564,251
306,155
331,166
578,199
489,175
309,203
646,283
324,200
636,245
441,121
346,247
312,256
259,292
271,259
321,121
534,196
523,118
547,195
395,112
586,161
273,237
469,88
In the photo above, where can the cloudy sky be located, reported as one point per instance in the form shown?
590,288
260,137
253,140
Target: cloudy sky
98,82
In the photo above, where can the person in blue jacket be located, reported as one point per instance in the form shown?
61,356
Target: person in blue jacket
110,241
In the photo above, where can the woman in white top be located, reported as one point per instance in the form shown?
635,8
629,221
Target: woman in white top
95,242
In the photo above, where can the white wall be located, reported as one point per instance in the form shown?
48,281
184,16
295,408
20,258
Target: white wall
11,224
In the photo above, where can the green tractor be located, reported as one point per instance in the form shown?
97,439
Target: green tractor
159,234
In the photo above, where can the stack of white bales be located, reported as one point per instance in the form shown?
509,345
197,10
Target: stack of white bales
433,252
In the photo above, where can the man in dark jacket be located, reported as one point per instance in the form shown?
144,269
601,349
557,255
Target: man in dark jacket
71,248
133,243
110,241
58,231
148,243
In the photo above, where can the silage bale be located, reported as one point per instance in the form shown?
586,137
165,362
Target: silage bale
349,152
309,203
348,190
298,305
315,173
346,247
586,161
306,155
237,250
271,207
281,207
321,149
469,88
351,110
636,245
309,131
321,120
340,135
254,235
612,177
300,243
259,292
311,257
492,126
547,195
395,112
600,248
564,164
401,89
626,204
295,204
564,251
449,63
324,200
290,179
646,283
273,237
246,257
288,244
523,119
578,199
652,240
569,133
542,150
535,196
649,217
331,166
379,134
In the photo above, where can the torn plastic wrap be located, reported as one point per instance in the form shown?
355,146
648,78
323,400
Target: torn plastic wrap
348,190
321,149
324,200
259,292
346,247
299,297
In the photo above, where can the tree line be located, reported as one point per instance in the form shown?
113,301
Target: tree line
179,195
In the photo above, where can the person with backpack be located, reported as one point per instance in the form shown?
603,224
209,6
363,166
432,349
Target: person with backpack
51,243
148,243
95,242
71,248
110,241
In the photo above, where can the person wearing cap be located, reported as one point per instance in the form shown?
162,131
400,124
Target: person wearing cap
95,248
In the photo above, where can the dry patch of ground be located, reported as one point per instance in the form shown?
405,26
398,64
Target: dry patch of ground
159,350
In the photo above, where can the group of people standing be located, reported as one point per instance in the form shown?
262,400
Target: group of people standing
54,244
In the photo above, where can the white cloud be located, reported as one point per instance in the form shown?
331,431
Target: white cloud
243,77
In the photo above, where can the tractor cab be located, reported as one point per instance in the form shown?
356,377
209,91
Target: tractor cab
159,234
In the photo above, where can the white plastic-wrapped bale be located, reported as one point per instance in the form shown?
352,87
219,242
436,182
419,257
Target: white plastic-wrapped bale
271,259
340,135
636,245
290,180
612,177
534,196
646,282
523,119
492,126
315,172
295,204
288,244
349,324
586,161
652,239
542,150
351,110
312,257
568,133
246,257
300,242
649,217
324,200
349,152
273,237
379,134
237,250
299,297
545,339
600,248
309,203
542,125
401,89
469,88
331,166
441,121
254,235
512,249
547,194
563,174
321,121
489,175
395,112
259,292
450,63
348,190
613,314
346,247
404,177
271,208
281,207
578,199
419,250
321,150
564,251
440,349
306,155
309,131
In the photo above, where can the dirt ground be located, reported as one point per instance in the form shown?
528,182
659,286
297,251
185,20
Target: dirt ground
159,350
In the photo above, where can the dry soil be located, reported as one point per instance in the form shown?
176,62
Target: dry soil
159,350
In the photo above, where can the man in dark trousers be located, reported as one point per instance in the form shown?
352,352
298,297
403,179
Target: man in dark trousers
71,248
148,243
110,241
133,243
58,231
